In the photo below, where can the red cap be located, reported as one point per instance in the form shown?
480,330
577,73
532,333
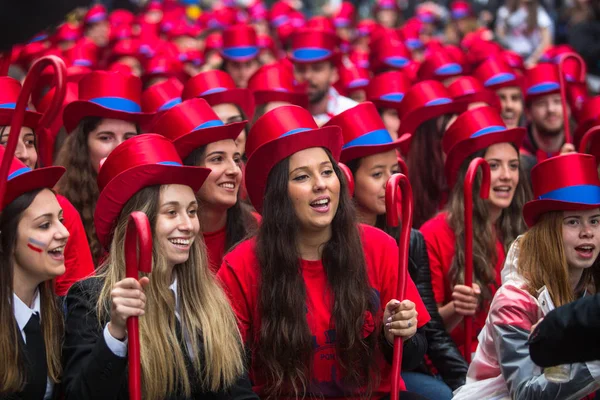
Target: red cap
312,45
239,43
439,66
276,83
541,80
469,90
388,89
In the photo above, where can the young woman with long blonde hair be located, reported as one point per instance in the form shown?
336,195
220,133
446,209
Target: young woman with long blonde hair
190,344
551,265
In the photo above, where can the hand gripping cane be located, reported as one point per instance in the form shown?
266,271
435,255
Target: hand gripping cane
398,192
136,260
484,193
563,89
17,123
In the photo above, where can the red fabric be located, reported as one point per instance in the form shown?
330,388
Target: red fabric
440,240
78,257
240,274
215,244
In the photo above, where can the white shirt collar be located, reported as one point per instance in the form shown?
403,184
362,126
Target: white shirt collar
22,311
173,287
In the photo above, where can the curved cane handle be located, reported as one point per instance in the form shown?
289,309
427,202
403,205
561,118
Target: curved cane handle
349,178
398,190
587,138
563,89
484,193
403,166
19,114
138,233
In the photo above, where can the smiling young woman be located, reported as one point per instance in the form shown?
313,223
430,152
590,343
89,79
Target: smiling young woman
202,140
32,256
315,304
197,351
551,265
496,222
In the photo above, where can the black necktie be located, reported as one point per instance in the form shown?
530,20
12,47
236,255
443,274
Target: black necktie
35,352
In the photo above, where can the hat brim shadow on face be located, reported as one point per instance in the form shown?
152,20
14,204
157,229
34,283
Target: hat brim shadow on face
42,178
533,210
239,97
189,142
264,158
77,110
31,118
465,148
355,152
486,96
413,119
268,96
124,186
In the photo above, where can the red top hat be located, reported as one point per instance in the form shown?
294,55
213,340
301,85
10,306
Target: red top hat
321,23
121,17
386,5
193,124
469,90
363,131
67,32
9,93
30,52
162,66
458,55
83,54
106,95
439,66
313,45
258,11
345,16
388,89
563,183
366,27
424,101
513,59
543,79
460,9
481,50
239,43
411,34
126,48
360,58
266,42
22,179
353,78
277,135
279,13
496,74
388,52
586,117
217,87
162,96
276,83
97,13
472,131
142,161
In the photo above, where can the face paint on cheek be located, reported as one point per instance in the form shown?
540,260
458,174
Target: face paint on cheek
35,245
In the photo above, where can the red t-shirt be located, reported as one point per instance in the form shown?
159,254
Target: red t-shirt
440,240
240,275
78,257
215,245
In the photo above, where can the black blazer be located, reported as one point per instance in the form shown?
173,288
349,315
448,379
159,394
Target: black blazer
92,371
441,348
568,334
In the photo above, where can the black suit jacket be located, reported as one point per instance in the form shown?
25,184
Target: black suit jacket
568,334
92,371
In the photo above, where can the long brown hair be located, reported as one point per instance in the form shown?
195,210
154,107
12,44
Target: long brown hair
509,225
205,314
12,369
285,341
542,261
240,222
425,163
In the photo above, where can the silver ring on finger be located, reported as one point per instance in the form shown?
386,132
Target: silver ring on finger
409,324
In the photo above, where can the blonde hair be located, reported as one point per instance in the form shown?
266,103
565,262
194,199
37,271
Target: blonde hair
543,262
205,313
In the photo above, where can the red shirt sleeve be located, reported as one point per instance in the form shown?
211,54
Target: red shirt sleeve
215,246
439,240
78,257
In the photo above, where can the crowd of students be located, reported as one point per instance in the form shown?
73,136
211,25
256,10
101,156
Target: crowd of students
259,143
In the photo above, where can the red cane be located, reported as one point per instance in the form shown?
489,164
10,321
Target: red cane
17,122
403,166
563,89
349,178
138,258
484,193
588,136
399,192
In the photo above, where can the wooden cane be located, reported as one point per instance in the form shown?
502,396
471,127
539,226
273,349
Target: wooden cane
138,258
484,192
398,195
19,115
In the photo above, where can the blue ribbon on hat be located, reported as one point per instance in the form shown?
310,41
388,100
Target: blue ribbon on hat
585,194
449,69
170,163
396,61
118,104
18,172
311,54
294,131
395,97
487,130
213,90
358,82
210,124
437,102
543,88
170,103
500,78
8,105
241,52
373,138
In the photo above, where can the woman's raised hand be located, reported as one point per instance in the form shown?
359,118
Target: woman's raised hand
466,299
128,300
